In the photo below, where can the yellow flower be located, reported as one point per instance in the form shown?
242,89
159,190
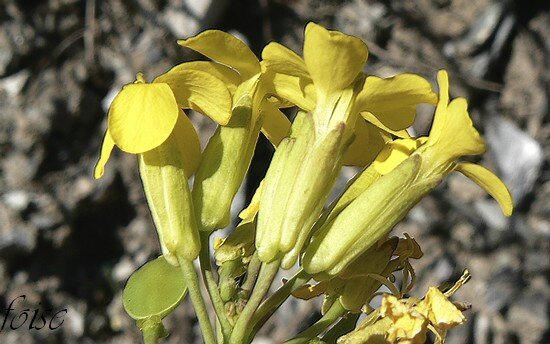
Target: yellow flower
329,86
146,119
408,325
442,313
228,154
403,173
408,320
451,137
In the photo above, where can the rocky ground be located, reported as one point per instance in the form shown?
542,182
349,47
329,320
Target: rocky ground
70,242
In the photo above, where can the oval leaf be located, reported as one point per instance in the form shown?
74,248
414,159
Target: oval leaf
153,290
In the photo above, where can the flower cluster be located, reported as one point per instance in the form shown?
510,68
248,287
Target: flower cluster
343,116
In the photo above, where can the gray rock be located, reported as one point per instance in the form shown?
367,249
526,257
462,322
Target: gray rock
528,316
491,214
18,200
17,241
503,286
518,156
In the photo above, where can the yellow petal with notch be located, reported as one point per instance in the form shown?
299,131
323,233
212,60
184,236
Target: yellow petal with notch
443,314
106,149
200,91
226,49
142,116
490,183
393,100
333,59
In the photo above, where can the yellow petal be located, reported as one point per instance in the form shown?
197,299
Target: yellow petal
407,323
279,59
393,100
333,59
289,76
199,91
229,76
106,149
249,213
188,143
293,89
490,183
453,132
365,147
142,116
275,125
226,49
442,313
394,154
369,117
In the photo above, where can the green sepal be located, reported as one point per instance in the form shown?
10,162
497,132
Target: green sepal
225,161
295,190
368,218
153,291
167,191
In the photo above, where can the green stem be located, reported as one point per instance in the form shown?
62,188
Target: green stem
252,273
212,285
192,282
268,271
150,338
334,312
152,333
269,306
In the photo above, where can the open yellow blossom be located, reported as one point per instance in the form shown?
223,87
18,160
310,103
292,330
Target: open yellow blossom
451,137
228,153
405,171
146,119
328,84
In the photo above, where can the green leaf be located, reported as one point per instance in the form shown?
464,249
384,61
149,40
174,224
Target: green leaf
154,290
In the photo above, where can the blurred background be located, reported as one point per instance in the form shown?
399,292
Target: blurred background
70,242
